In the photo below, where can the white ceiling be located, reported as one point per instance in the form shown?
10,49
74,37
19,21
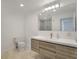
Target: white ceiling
29,5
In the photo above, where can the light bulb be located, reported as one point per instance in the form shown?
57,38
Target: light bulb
53,7
57,6
21,5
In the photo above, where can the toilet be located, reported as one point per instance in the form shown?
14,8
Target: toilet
19,44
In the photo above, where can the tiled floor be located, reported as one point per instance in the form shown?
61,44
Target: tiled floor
23,54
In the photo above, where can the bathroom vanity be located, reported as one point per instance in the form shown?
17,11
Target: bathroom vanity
54,49
60,24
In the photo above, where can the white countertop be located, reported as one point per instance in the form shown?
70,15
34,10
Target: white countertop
67,42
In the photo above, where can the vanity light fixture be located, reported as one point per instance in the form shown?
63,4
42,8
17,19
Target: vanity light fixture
45,9
52,7
61,5
57,6
21,5
49,8
54,10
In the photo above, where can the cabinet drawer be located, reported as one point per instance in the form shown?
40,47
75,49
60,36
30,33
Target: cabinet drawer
47,53
49,46
65,50
35,43
60,56
36,50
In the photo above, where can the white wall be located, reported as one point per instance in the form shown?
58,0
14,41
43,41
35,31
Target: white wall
31,27
12,25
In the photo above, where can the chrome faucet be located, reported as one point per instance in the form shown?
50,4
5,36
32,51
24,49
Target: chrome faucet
50,35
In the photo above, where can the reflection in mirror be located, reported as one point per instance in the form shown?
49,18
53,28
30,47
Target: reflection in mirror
67,24
45,24
58,15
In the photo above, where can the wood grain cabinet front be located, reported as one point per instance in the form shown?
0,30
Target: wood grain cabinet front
68,52
53,51
58,56
47,53
35,45
63,56
48,46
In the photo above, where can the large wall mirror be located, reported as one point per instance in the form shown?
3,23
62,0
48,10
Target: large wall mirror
57,16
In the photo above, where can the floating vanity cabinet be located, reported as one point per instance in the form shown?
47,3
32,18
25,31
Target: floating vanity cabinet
65,52
54,50
35,45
